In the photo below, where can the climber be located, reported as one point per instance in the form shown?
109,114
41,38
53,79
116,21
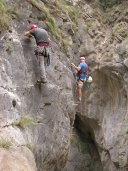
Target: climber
42,50
81,75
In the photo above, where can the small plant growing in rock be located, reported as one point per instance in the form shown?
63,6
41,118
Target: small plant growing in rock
4,18
30,146
15,14
58,7
53,27
9,47
25,121
70,10
88,24
66,43
4,143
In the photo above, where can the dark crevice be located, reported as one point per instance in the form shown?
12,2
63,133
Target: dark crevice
83,128
14,103
86,136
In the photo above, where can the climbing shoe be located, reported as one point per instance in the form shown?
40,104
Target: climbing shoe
41,81
79,99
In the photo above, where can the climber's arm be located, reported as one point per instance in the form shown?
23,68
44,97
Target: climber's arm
27,34
49,39
77,68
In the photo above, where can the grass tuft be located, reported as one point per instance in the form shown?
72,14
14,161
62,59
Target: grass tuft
9,47
4,18
25,121
57,8
71,11
4,143
53,27
30,146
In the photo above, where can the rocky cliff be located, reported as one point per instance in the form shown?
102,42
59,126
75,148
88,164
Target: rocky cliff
41,127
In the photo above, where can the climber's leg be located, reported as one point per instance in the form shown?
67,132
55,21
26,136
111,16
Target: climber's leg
43,78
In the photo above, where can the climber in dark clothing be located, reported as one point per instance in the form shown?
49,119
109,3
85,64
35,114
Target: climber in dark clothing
42,50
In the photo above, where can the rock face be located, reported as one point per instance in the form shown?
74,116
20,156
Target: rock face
105,105
19,158
36,121
51,105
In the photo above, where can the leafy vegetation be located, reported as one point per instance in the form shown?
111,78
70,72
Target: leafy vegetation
120,29
71,11
51,9
53,28
30,146
9,47
109,3
15,13
50,19
4,18
25,121
4,143
88,24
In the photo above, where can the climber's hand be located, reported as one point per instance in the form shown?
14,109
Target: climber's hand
72,64
27,34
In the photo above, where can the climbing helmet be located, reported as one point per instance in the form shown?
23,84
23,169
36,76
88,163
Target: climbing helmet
82,59
34,26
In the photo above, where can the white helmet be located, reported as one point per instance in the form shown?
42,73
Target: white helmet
89,80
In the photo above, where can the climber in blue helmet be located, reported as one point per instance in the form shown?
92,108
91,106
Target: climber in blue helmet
42,50
81,75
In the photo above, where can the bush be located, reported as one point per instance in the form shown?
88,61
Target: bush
50,9
30,146
25,121
50,19
4,18
109,3
4,143
9,47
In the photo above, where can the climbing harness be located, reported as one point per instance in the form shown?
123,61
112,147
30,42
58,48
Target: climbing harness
83,72
42,51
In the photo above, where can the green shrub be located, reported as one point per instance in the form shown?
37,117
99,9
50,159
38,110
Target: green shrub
9,47
50,9
30,146
15,13
25,121
51,23
109,3
72,11
4,18
53,27
4,143
88,24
